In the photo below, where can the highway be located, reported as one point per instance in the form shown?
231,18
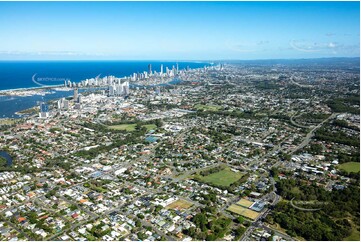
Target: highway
293,122
310,134
300,85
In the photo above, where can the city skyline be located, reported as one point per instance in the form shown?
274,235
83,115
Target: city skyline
178,30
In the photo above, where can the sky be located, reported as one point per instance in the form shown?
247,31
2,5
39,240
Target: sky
178,30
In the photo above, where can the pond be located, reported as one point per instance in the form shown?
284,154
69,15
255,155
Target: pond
9,160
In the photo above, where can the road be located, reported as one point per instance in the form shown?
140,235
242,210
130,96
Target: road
257,223
45,207
300,85
93,215
263,215
273,194
15,227
275,149
146,223
96,216
298,125
310,134
182,177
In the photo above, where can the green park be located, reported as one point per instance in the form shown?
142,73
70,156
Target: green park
224,177
350,167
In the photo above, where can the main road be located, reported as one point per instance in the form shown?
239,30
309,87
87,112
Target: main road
310,134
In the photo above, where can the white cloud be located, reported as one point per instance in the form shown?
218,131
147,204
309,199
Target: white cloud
304,46
248,47
324,47
332,45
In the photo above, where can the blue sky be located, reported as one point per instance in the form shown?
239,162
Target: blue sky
178,30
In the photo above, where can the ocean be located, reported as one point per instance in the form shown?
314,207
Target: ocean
18,74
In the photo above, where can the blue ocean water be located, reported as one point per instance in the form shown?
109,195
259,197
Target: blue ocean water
18,74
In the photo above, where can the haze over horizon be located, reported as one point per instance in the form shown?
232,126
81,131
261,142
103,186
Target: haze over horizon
178,30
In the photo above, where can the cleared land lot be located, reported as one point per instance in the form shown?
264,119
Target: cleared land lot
350,167
179,204
245,212
222,178
131,127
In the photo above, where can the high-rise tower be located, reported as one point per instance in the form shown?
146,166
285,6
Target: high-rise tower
75,94
44,110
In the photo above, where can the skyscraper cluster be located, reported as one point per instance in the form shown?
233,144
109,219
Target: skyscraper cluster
63,104
68,83
97,81
119,89
151,73
114,81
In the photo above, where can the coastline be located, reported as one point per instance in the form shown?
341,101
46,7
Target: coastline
114,69
31,93
14,101
29,88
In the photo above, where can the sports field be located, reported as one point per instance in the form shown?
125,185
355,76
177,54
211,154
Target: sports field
131,127
244,203
245,212
350,167
222,178
179,204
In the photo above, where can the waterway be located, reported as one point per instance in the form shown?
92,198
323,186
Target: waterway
9,105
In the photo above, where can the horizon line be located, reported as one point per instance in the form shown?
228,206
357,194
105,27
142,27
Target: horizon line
188,60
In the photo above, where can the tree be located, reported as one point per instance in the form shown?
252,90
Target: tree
158,123
239,231
141,236
138,127
138,223
73,207
3,162
240,219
